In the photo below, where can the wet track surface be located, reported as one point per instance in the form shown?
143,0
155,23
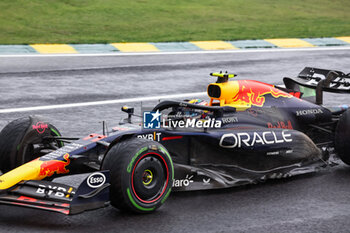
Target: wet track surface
312,203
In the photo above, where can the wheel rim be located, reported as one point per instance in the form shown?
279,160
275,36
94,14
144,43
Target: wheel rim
150,177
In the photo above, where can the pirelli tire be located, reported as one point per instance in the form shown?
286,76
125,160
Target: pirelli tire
142,174
23,139
342,137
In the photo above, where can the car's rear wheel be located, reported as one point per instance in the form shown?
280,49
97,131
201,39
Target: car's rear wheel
25,139
342,137
141,175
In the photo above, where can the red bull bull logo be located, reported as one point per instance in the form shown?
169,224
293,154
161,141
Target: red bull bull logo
48,168
253,93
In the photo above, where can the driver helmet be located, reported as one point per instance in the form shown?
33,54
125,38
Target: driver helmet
199,114
199,102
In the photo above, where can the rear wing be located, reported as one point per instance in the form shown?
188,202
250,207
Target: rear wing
314,80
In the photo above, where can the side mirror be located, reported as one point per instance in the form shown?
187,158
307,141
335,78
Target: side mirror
129,111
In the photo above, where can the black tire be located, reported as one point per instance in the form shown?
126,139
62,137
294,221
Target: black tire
141,175
342,137
20,141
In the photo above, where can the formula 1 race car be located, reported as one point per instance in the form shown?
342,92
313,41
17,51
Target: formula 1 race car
248,132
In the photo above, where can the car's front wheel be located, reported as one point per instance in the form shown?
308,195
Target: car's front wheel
25,139
141,175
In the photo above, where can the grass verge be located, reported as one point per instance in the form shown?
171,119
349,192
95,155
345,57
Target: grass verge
104,21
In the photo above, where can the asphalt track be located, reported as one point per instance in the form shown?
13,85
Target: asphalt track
310,203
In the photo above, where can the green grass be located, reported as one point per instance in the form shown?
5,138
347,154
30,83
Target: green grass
104,21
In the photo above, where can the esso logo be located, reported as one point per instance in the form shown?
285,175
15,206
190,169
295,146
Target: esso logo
96,180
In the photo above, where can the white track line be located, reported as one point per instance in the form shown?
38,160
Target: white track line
267,50
103,102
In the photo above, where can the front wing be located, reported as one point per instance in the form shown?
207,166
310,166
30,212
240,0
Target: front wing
51,196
